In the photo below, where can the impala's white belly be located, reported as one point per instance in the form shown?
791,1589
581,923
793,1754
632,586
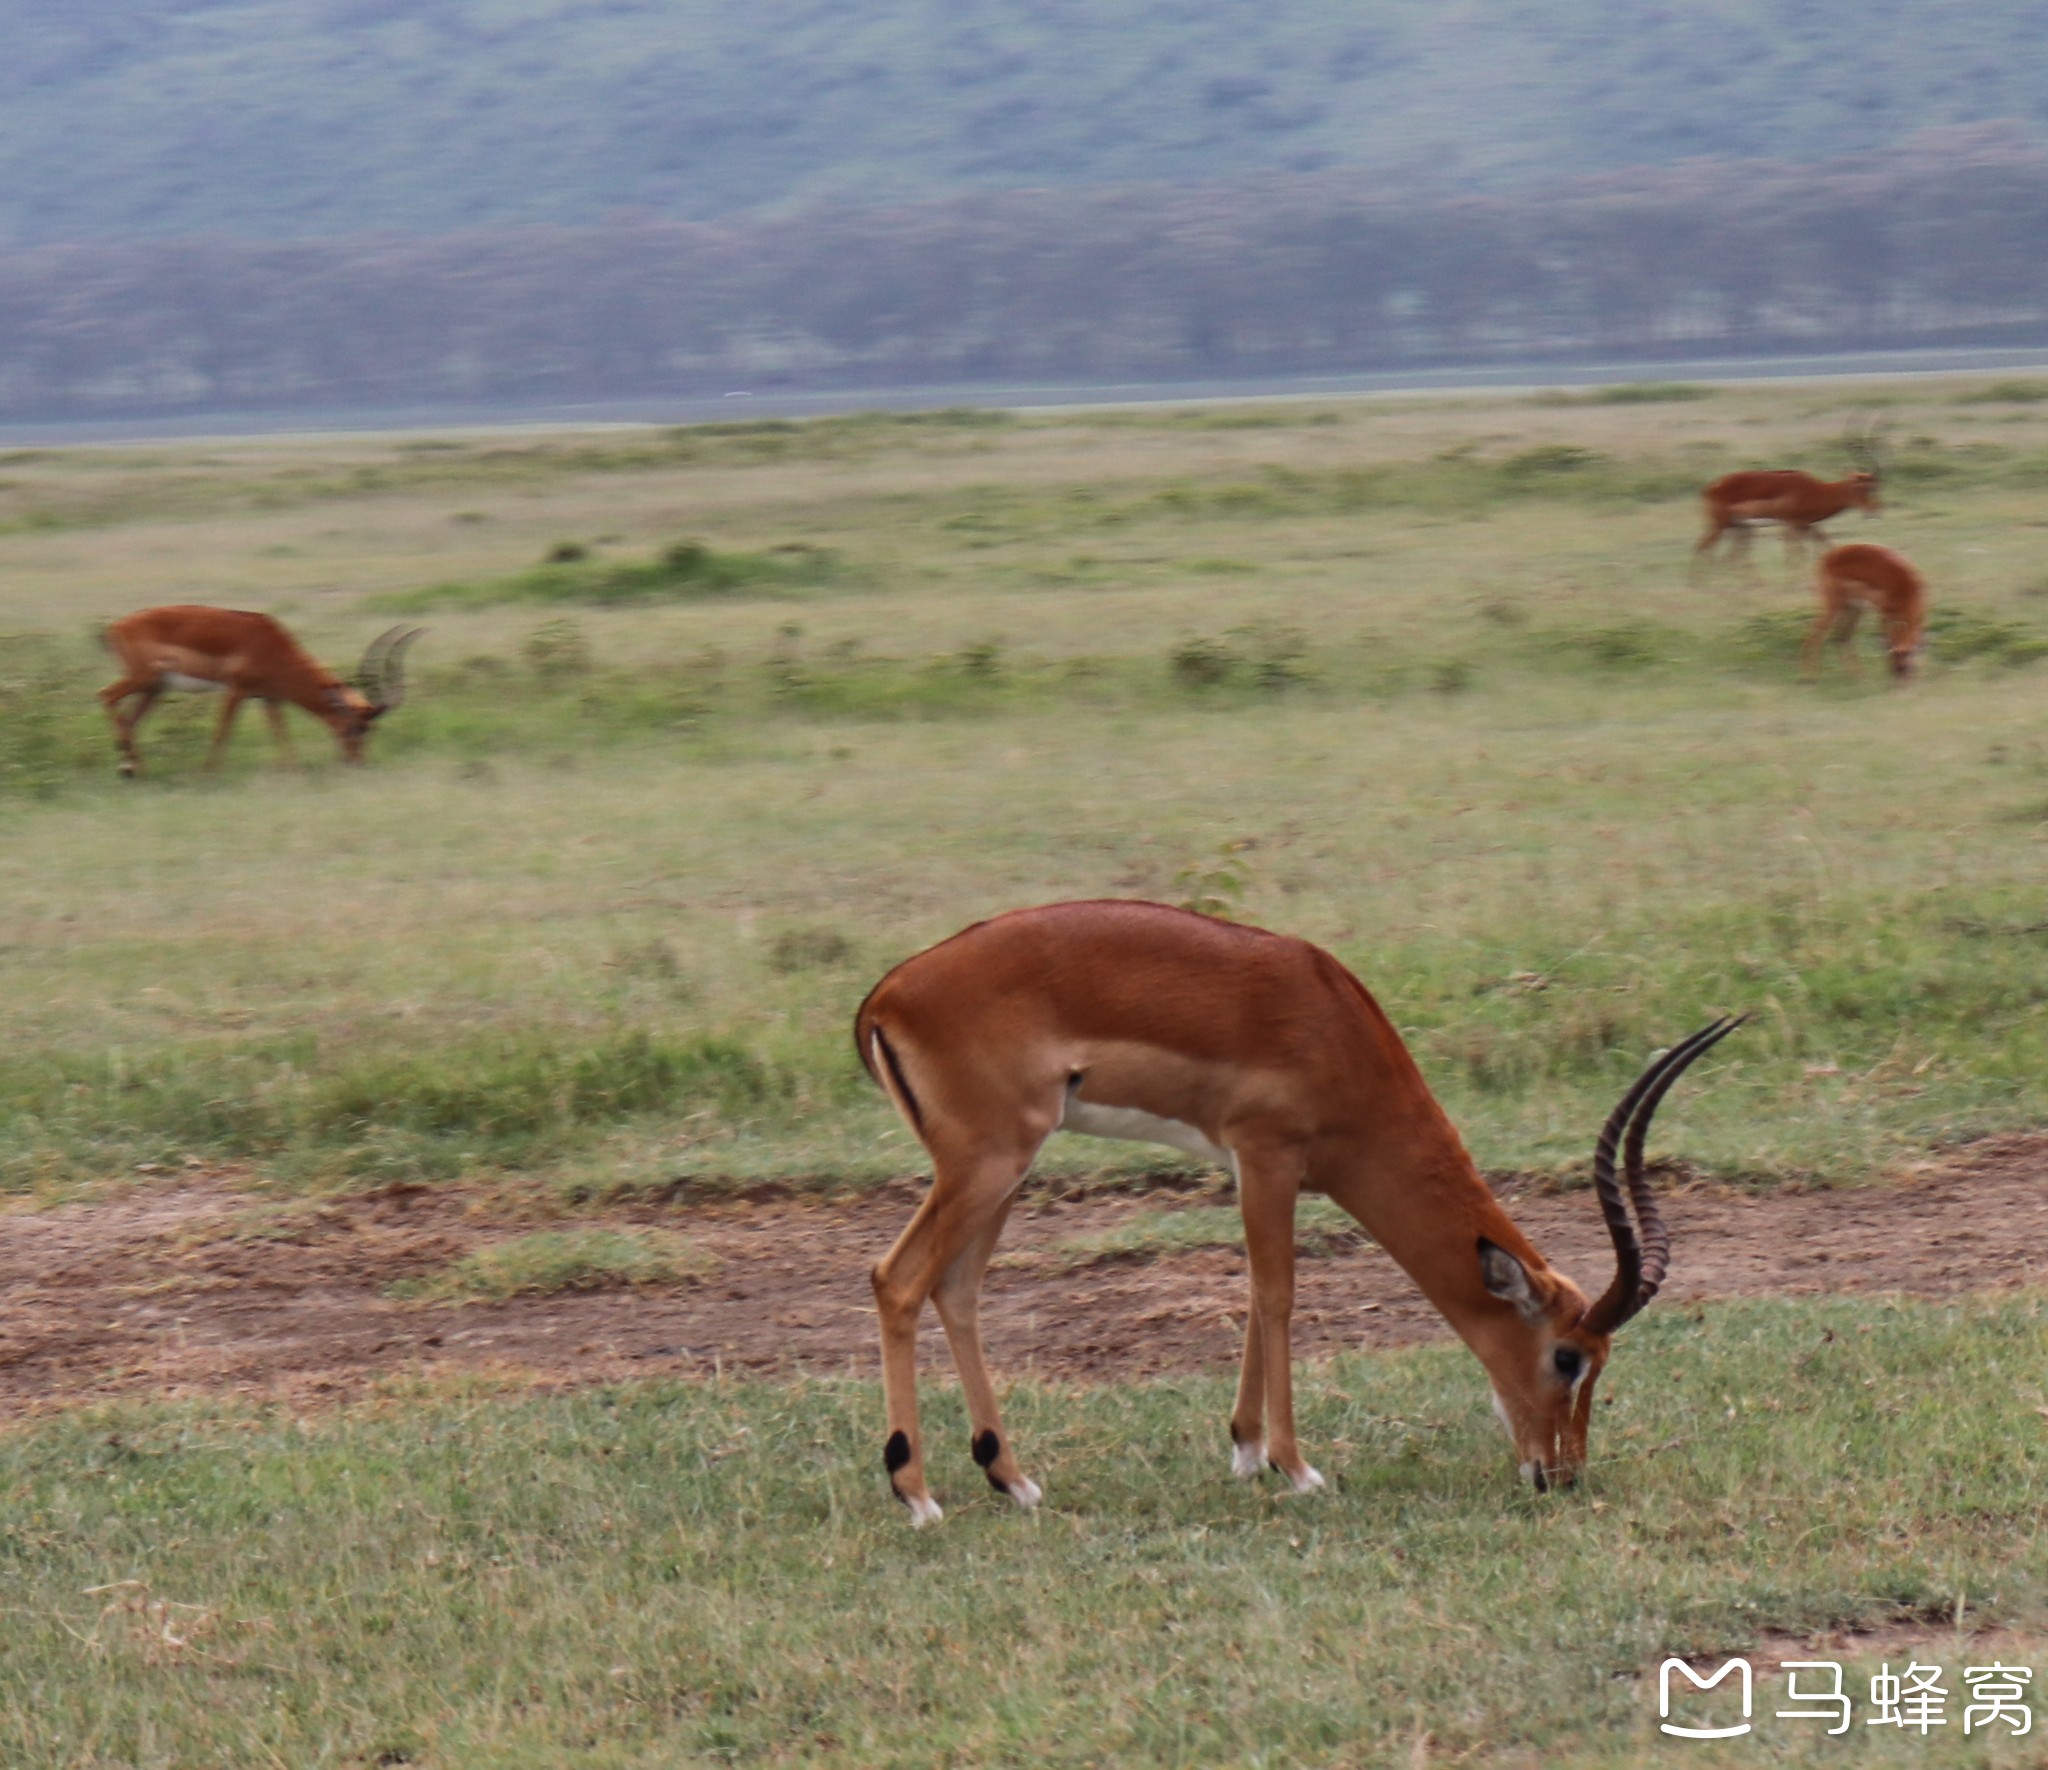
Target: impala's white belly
175,679
1129,1125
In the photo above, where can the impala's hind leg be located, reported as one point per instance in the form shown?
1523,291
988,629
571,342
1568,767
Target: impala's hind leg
957,1298
947,1242
111,698
1845,637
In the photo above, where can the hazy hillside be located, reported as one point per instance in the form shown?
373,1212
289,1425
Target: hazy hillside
308,117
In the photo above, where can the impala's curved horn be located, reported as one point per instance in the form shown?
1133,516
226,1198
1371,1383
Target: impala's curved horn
382,676
1639,1264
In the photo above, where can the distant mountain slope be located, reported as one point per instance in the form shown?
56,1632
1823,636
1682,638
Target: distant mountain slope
273,118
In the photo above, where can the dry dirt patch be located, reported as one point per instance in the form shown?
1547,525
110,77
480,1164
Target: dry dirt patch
191,1286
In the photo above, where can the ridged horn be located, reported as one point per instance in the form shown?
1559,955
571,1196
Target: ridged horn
1639,1264
382,675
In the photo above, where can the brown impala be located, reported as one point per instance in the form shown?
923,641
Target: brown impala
1264,1055
1859,575
245,656
1797,502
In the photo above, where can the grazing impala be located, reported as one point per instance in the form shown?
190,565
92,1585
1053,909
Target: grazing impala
1859,574
245,656
1797,502
1264,1055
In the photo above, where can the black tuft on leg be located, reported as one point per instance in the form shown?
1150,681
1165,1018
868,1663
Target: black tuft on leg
987,1447
896,1452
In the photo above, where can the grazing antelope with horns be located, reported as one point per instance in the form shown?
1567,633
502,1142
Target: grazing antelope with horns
1798,502
1260,1053
1860,573
246,656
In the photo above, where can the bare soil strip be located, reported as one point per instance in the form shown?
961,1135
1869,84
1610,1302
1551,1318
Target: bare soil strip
192,1287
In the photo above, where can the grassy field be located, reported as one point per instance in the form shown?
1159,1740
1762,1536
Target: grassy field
714,725
711,727
661,1575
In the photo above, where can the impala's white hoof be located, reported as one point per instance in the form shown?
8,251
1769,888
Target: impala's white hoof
1026,1492
1248,1461
1308,1481
923,1512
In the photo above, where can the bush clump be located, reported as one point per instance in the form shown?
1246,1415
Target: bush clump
682,571
1263,655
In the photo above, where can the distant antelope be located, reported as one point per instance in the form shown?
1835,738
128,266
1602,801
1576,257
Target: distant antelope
247,657
1798,502
1851,576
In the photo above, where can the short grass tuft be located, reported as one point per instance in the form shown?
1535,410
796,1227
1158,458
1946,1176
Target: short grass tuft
1320,1228
548,1261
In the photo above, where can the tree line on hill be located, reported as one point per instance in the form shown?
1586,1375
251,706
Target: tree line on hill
1314,273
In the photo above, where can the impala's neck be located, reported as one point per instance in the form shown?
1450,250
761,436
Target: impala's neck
1420,1196
320,691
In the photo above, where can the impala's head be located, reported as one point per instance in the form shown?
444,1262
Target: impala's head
379,687
1903,641
1549,1345
1863,488
1543,1360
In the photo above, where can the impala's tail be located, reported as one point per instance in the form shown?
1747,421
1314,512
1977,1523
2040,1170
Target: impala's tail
878,1057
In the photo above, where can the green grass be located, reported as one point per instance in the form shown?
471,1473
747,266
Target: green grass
2006,393
1426,682
1319,1228
662,1573
544,1262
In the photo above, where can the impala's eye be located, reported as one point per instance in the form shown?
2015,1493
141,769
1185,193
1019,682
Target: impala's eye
1569,1361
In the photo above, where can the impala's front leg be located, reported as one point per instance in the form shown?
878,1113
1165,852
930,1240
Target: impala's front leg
280,733
230,704
1248,1418
1268,1184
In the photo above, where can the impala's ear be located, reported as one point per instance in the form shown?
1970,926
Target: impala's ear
1508,1279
